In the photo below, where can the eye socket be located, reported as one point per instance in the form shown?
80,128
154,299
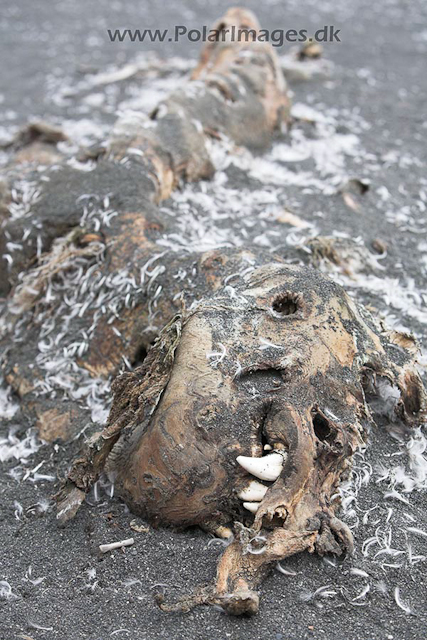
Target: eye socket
286,304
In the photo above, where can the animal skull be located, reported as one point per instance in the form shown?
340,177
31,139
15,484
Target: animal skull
249,411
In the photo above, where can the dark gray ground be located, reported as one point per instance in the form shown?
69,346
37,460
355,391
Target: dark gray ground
379,79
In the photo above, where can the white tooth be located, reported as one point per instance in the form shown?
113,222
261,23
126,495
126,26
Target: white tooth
251,506
265,468
267,447
255,491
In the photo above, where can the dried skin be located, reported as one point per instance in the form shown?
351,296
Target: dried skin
288,362
170,147
299,360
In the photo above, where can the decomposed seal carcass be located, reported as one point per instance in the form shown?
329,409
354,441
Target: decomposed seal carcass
265,376
249,411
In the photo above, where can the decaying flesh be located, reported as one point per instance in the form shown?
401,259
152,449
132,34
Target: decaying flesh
249,411
265,377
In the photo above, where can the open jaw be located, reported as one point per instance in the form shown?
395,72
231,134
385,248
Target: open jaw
289,498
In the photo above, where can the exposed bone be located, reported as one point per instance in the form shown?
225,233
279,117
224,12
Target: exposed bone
255,491
266,468
223,532
116,545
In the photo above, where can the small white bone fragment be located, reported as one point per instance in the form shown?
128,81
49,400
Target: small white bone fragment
254,492
265,468
251,506
116,545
